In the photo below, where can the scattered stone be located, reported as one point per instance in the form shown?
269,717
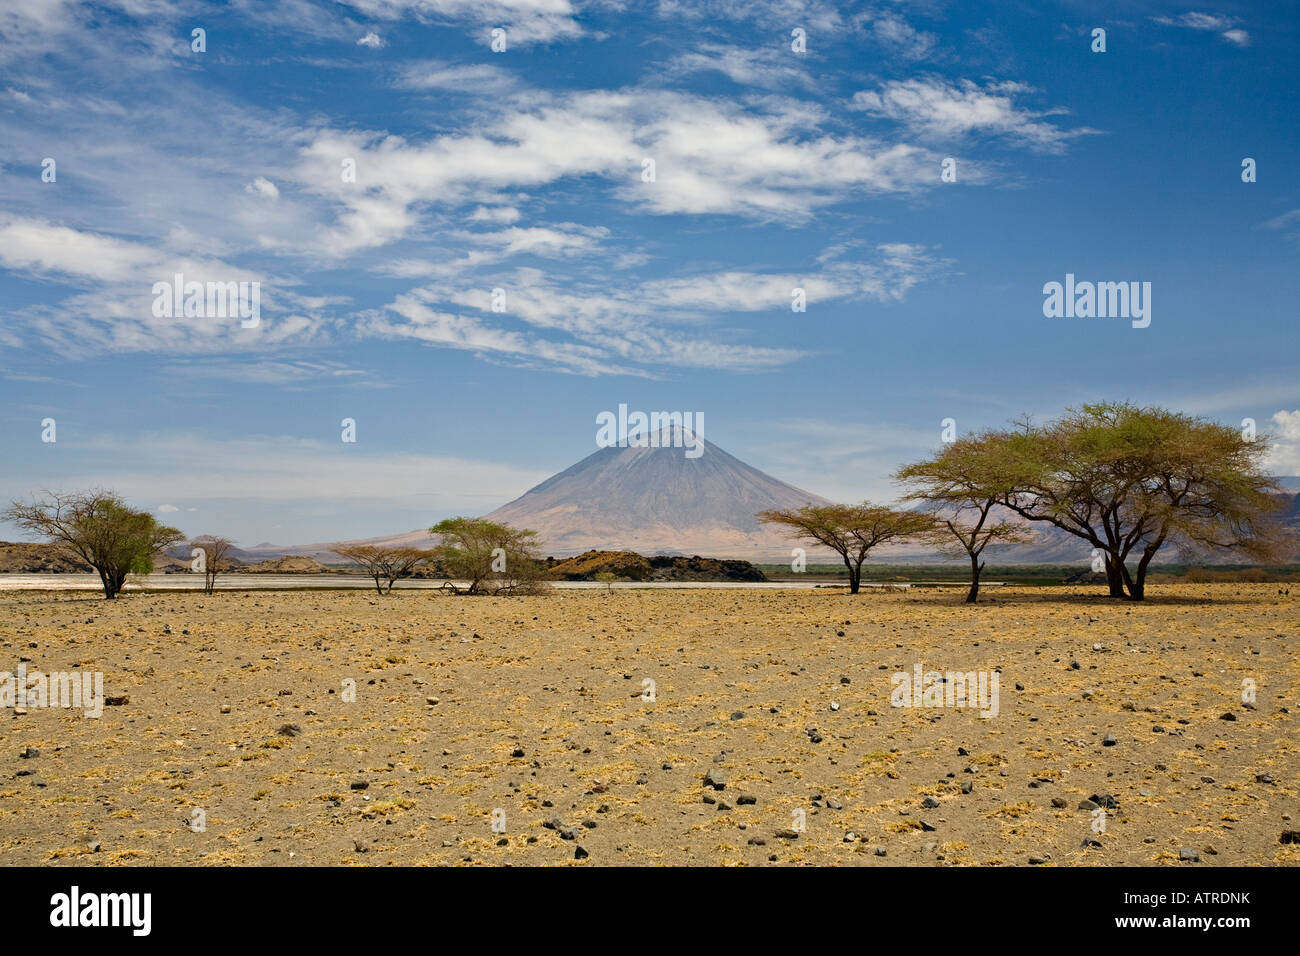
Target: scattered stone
1228,716
716,779
881,851
929,803
1188,855
746,799
1059,802
580,852
1109,741
967,786
289,730
788,833
359,785
225,708
27,753
517,752
121,701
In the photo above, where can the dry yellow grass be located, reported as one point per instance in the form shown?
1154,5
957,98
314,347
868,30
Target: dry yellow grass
540,713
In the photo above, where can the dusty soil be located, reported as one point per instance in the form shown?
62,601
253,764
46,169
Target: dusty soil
740,675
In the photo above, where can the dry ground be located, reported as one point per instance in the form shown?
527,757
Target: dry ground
559,679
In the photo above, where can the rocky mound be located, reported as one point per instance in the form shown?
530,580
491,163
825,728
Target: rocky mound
18,557
628,565
287,565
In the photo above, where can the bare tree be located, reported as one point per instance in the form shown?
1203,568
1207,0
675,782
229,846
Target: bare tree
383,563
208,554
98,526
851,531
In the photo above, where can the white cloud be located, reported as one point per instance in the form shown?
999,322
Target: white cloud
629,329
284,467
768,68
167,509
526,21
1284,456
1208,22
263,187
499,214
372,40
484,79
935,107
767,160
893,32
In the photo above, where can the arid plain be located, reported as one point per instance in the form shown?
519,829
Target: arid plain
537,707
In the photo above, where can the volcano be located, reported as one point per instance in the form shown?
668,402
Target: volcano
652,499
657,500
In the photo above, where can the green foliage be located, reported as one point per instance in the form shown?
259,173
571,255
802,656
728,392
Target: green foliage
489,558
111,537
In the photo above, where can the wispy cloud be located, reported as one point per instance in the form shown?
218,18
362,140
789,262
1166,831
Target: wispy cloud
938,108
1225,27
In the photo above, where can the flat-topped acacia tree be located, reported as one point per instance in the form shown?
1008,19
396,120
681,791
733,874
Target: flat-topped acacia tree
98,526
959,483
385,563
851,531
1128,480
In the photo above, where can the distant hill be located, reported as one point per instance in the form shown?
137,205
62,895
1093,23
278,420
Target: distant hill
22,558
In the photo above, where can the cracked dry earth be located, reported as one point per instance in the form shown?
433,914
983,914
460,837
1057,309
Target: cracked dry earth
534,706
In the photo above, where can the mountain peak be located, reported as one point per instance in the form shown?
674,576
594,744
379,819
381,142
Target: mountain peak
666,491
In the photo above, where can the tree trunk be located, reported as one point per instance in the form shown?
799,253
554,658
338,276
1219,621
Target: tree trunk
378,589
1138,586
1114,577
975,568
855,578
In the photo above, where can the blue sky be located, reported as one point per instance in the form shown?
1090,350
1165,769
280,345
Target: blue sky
523,170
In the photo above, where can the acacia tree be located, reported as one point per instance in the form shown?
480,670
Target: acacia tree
1129,480
493,558
98,526
960,484
213,551
380,562
851,531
